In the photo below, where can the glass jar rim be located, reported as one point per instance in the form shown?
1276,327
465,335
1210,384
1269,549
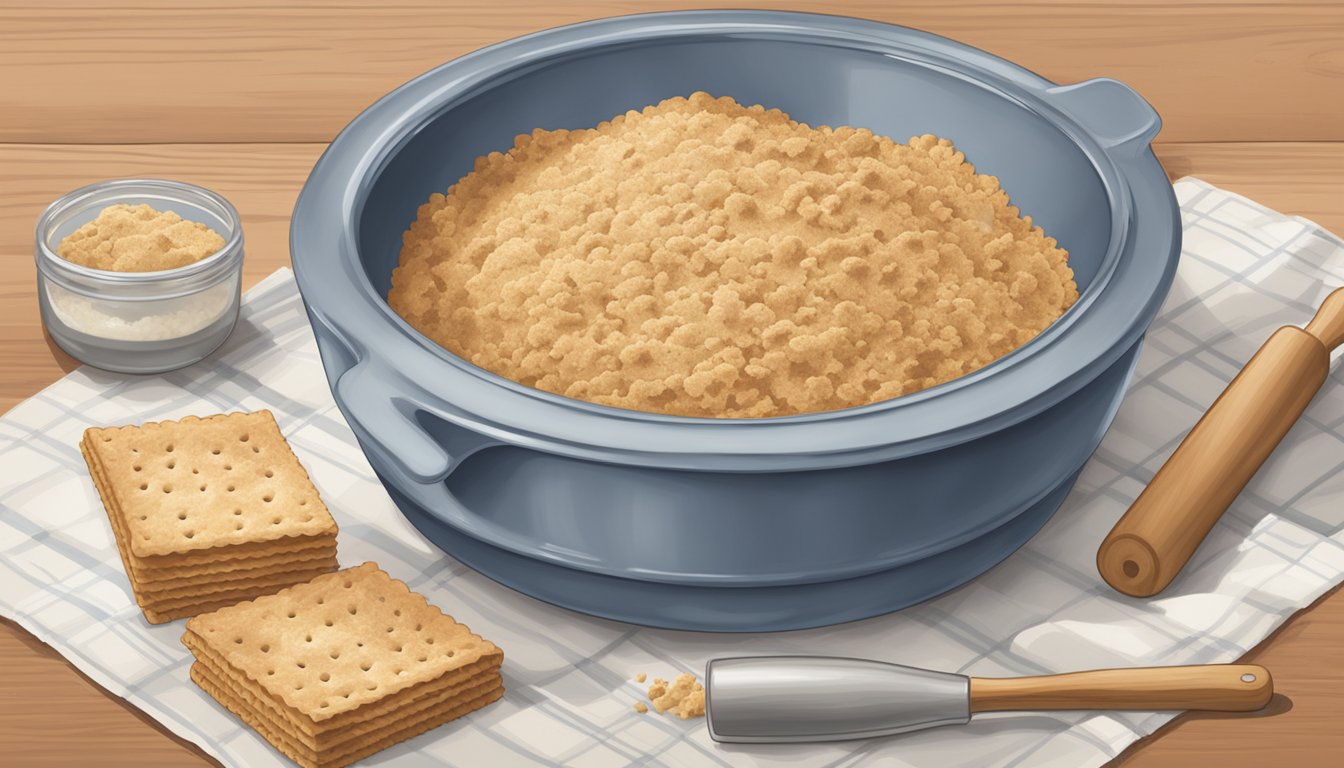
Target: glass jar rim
181,189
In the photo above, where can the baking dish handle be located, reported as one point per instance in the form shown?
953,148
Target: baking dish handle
1122,120
398,425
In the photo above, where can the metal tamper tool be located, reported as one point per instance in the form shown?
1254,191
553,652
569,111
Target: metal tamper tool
781,699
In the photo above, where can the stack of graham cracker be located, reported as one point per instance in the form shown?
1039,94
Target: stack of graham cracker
209,512
343,666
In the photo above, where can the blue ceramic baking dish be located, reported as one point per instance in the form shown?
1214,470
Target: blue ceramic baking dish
727,524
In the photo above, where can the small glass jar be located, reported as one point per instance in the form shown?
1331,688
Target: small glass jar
140,322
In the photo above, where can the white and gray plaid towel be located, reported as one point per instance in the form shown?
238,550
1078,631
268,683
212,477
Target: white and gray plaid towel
1245,271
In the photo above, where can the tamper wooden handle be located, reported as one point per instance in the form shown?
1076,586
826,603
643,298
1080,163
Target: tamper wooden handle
1218,687
1153,540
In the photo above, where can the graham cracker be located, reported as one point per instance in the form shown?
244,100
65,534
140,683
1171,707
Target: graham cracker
374,743
318,625
317,735
164,615
426,719
207,569
230,597
204,483
167,579
223,558
234,558
338,740
268,581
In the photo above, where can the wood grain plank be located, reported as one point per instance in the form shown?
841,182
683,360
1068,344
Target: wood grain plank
163,71
50,716
1300,727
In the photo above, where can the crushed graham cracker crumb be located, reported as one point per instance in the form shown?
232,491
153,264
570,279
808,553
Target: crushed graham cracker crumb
641,677
684,696
702,258
138,238
641,707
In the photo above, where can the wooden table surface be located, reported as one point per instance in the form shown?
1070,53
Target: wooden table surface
242,98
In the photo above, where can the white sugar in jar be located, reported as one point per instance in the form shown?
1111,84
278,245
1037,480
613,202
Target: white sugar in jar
140,322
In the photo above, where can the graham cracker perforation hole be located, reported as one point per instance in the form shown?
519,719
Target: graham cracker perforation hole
268,497
242,438
366,666
182,515
144,487
167,488
172,463
137,467
215,451
270,473
324,677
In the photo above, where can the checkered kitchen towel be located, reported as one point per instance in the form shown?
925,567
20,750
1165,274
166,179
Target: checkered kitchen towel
1245,271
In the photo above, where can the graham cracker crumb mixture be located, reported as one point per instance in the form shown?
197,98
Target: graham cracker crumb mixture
701,258
138,238
683,696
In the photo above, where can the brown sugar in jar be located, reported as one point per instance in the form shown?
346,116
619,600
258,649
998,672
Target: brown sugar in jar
138,238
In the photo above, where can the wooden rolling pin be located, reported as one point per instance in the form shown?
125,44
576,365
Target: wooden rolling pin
1164,526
